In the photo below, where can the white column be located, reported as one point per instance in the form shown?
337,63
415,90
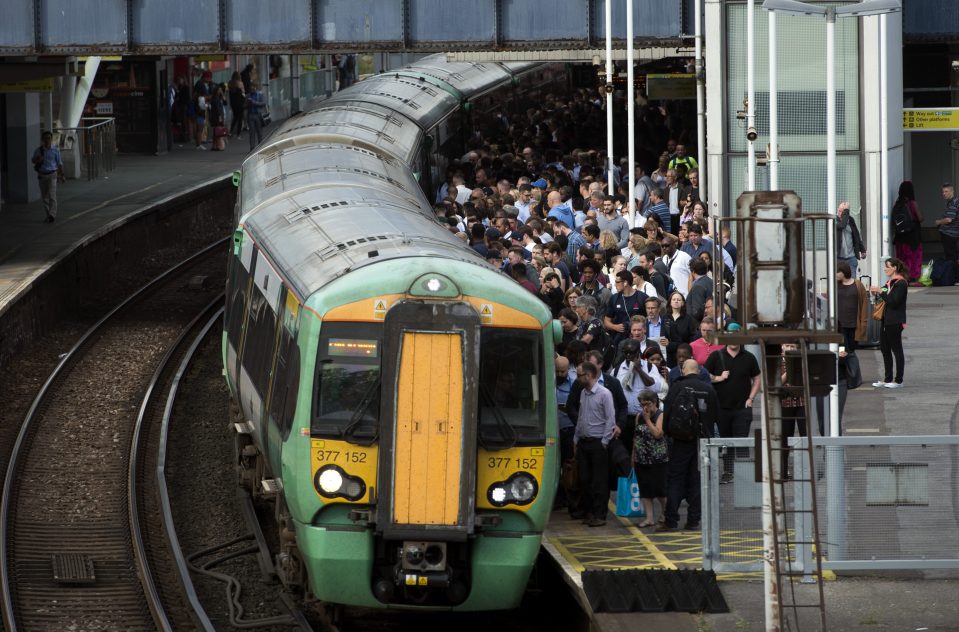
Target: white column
630,114
715,32
831,200
773,106
750,93
700,98
609,96
23,137
883,247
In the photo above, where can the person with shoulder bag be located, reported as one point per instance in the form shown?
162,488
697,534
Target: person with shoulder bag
255,108
891,310
48,164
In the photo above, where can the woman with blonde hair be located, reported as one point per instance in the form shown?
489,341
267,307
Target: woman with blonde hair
609,245
634,247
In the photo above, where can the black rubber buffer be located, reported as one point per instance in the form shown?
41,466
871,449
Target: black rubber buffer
639,590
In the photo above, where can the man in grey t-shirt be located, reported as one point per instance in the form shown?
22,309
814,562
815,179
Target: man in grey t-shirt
611,220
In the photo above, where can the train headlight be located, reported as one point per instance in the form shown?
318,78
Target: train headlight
332,482
523,487
518,489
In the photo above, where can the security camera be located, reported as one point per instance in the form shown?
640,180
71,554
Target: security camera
751,134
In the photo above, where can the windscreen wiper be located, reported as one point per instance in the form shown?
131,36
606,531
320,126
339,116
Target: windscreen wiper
372,391
505,429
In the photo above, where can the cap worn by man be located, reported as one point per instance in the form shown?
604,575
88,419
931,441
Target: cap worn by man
539,184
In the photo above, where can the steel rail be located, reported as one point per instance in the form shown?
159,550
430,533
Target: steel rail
26,428
211,313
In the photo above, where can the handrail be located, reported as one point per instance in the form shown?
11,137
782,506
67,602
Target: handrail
95,146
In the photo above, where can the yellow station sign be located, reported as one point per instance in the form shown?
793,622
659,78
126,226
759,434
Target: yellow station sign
32,85
930,120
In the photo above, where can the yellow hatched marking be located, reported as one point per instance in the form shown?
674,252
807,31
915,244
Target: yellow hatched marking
664,561
572,559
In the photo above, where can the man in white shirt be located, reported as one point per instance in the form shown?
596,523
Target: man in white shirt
676,263
524,201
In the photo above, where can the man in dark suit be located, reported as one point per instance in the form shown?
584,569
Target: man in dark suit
700,291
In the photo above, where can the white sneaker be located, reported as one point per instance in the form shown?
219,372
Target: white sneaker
880,384
201,147
893,385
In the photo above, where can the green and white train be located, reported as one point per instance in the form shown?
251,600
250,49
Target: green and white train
394,393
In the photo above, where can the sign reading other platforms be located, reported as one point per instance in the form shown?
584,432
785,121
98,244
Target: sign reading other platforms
930,120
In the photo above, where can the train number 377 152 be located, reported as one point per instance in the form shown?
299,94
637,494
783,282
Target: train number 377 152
502,462
327,456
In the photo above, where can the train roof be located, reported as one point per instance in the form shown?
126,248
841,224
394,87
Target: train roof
416,99
468,79
282,168
366,124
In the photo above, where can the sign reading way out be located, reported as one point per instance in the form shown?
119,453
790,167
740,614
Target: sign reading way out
930,120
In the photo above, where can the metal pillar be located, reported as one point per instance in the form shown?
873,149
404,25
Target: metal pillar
630,114
609,96
700,98
750,95
773,157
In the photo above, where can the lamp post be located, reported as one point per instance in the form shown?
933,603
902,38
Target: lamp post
609,97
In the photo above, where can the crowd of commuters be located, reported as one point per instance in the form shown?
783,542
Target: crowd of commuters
632,287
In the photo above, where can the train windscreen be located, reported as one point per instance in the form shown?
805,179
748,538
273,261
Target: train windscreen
511,400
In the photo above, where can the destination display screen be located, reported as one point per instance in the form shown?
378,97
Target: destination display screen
353,348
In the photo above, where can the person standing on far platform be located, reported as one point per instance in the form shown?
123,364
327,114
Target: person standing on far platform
949,225
595,428
49,167
255,105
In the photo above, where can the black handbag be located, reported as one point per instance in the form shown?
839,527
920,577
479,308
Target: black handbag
620,460
853,372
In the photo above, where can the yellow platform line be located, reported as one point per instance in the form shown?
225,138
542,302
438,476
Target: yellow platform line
572,559
642,537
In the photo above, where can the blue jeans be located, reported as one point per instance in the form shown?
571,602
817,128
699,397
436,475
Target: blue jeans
255,127
683,482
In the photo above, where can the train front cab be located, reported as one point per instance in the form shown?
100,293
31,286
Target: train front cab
432,453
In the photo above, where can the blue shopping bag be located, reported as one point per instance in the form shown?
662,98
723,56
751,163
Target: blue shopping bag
628,502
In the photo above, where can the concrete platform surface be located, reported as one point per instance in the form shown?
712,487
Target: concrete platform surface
915,601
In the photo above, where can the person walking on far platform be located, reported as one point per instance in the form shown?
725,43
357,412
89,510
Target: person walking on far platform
949,227
49,167
255,106
907,230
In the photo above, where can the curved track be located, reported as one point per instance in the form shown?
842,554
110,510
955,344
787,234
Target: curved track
67,556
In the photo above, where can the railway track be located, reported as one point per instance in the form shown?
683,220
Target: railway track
82,541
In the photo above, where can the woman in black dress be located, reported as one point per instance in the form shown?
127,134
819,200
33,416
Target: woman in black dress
678,326
650,455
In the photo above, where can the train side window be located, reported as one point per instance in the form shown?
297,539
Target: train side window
239,282
261,329
280,376
292,388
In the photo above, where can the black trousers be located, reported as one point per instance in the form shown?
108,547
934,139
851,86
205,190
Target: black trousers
734,423
890,343
950,249
683,483
566,453
792,417
592,464
849,338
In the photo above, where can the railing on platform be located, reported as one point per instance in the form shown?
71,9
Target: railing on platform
90,148
898,504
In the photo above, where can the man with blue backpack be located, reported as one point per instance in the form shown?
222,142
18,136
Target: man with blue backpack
689,414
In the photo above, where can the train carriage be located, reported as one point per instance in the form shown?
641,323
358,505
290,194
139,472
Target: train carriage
393,393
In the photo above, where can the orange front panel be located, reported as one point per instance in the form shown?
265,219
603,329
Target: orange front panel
429,429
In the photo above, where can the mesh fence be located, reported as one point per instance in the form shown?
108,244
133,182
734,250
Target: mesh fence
880,505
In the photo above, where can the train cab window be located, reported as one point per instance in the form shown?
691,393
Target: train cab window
511,388
347,397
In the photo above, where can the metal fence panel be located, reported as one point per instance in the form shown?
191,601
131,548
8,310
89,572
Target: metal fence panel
254,22
70,25
359,21
162,24
17,32
561,20
884,503
435,21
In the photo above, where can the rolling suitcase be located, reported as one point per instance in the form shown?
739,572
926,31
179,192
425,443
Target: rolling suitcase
874,326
